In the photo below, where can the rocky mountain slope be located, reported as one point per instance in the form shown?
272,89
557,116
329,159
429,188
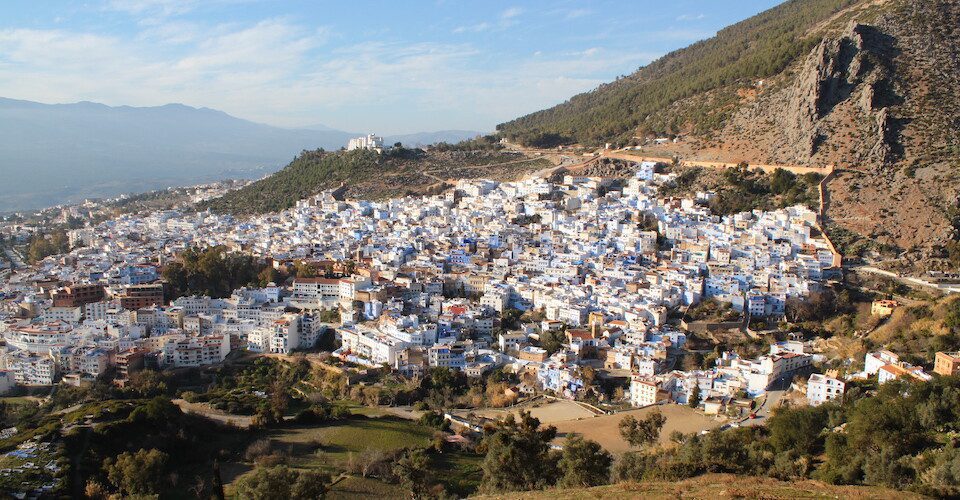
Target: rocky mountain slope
878,99
871,87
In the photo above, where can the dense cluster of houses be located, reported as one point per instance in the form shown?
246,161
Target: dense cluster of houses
732,377
425,281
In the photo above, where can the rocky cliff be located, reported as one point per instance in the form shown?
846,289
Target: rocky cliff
878,99
871,87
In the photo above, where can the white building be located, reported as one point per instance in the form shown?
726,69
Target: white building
373,346
65,314
873,361
447,356
368,141
821,388
643,391
31,369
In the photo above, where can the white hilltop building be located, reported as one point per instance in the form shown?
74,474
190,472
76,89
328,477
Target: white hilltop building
368,141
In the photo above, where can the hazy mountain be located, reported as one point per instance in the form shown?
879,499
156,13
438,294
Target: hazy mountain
319,127
56,153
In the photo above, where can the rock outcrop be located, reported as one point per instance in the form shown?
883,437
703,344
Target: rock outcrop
850,68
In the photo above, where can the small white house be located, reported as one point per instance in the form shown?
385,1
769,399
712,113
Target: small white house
873,361
821,388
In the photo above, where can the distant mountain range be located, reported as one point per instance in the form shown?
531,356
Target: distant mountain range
58,153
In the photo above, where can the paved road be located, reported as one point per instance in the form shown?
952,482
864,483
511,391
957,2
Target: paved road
14,258
774,394
907,280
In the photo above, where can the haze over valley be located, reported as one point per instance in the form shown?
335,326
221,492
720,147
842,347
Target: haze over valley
63,153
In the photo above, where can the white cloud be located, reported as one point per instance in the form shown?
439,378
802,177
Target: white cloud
162,8
474,28
509,17
279,71
511,13
173,33
691,17
506,19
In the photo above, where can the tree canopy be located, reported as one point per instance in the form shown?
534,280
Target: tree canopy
213,271
519,457
641,432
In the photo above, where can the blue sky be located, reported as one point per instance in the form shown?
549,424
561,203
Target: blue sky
384,66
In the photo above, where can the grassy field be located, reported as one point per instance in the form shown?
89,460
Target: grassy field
341,439
460,472
714,486
204,410
359,409
356,487
20,400
604,430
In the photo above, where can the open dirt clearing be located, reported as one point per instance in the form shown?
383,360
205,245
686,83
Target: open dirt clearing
548,412
604,430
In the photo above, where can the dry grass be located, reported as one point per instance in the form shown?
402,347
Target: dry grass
605,430
909,319
549,413
713,486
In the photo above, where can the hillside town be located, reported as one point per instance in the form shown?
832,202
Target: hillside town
474,279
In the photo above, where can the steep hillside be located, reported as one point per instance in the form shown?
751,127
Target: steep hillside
367,174
714,486
640,103
871,86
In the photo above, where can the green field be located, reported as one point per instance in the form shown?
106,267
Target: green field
460,472
360,487
340,441
359,409
354,436
19,400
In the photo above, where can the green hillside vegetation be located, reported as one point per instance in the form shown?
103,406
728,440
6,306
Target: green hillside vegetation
742,189
304,176
214,272
900,435
640,103
362,173
42,246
